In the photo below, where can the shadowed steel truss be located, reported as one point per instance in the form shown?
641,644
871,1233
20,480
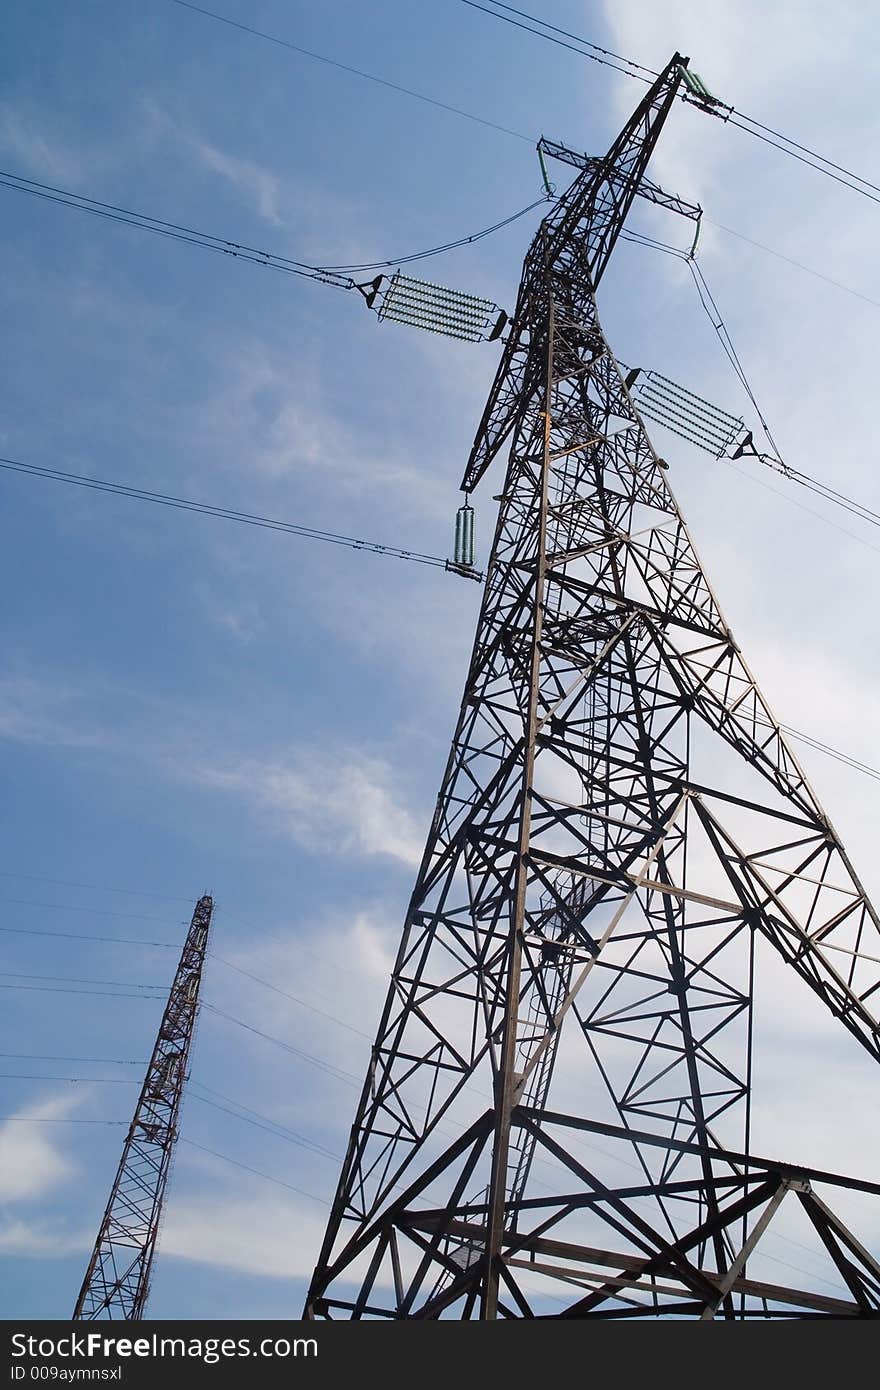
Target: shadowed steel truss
619,824
117,1280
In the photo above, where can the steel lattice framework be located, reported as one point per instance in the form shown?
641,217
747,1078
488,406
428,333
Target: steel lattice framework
619,823
117,1280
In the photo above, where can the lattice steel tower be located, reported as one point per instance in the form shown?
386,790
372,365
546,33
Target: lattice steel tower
620,819
117,1280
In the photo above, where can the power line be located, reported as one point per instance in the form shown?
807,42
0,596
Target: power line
817,162
51,1057
256,1171
277,1181
239,1105
768,130
828,494
85,936
63,989
318,1062
327,273
276,989
159,988
799,1269
269,1126
231,1107
793,501
447,246
799,265
642,239
811,484
209,241
605,52
582,52
340,1074
775,463
53,1120
332,273
78,907
350,1078
357,72
714,315
225,513
75,980
831,752
87,1080
784,143
98,888
584,48
205,240
250,1116
282,1131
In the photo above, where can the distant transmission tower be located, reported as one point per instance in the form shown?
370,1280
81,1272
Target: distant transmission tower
619,825
117,1280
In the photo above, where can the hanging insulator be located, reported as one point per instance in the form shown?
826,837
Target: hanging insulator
464,536
172,1062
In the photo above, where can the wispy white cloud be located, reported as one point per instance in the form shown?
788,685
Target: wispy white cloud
44,712
272,1234
284,427
258,186
337,965
37,150
723,43
32,1161
357,948
242,618
41,1240
329,804
274,197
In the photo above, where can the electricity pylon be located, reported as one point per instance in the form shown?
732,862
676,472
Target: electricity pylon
117,1279
619,825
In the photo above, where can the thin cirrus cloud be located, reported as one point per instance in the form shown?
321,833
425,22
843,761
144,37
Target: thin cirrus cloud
327,803
45,713
41,1240
22,139
32,1160
264,1234
258,186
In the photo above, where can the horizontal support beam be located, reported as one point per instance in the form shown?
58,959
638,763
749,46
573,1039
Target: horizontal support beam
612,1259
738,1160
646,189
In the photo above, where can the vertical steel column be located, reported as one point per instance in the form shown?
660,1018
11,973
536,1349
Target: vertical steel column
506,1087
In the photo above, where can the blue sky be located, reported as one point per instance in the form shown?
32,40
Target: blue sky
190,706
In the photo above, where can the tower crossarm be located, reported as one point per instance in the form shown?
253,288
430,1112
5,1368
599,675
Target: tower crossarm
117,1279
651,192
586,221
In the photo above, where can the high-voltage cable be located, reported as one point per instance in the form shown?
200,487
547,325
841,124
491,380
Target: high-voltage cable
345,67
694,93
209,241
228,514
